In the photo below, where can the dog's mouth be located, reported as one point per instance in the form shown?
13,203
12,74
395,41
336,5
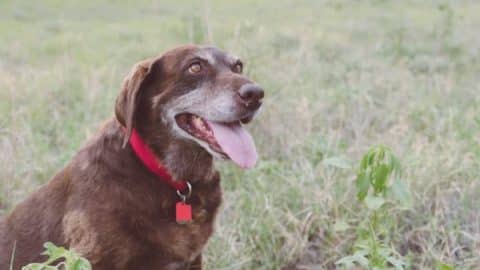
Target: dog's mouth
229,140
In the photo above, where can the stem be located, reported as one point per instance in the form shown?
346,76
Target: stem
373,237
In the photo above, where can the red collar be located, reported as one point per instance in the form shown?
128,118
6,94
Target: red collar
148,158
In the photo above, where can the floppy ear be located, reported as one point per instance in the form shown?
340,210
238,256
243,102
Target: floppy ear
129,98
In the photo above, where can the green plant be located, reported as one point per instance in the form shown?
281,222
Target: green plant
380,188
60,258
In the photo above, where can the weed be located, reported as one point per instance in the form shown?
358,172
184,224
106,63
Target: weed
60,258
379,187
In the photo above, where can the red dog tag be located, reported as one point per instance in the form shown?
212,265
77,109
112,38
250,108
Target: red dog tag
183,213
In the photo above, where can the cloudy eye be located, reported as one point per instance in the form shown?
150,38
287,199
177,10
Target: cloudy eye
195,68
238,67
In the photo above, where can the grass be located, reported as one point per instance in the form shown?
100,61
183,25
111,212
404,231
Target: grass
341,76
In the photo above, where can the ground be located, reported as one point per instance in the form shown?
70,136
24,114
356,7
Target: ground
340,77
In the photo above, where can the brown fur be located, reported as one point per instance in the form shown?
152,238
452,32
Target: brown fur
106,205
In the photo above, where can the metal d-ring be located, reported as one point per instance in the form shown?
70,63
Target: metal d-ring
184,197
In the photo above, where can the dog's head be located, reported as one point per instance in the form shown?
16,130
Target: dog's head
197,94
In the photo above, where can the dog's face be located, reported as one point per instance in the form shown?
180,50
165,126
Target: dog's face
198,94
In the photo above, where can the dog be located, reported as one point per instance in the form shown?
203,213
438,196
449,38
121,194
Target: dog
143,193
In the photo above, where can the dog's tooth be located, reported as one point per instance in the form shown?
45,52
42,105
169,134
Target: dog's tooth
197,122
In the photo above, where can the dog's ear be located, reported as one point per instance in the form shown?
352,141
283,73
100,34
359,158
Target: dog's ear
129,98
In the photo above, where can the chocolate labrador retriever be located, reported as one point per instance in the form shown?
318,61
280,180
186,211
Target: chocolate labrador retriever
143,193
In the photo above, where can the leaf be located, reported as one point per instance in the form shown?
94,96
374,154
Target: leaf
364,163
358,257
38,266
53,252
395,165
401,193
82,264
374,202
348,262
34,266
380,176
338,162
398,264
363,184
390,256
444,266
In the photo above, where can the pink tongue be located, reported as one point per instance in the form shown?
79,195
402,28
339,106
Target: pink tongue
236,142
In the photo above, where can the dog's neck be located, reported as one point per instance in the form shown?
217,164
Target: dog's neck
188,162
184,159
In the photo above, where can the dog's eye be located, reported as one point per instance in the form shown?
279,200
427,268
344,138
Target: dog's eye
195,68
238,67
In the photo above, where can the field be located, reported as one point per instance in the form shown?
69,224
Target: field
340,76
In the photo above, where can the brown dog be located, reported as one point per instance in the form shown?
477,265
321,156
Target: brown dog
109,204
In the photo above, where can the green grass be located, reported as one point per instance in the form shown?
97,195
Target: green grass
340,76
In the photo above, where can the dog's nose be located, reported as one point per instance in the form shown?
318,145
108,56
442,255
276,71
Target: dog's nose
251,95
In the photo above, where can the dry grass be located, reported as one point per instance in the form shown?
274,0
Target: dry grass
341,76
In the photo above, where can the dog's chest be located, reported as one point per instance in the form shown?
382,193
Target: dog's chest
186,241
